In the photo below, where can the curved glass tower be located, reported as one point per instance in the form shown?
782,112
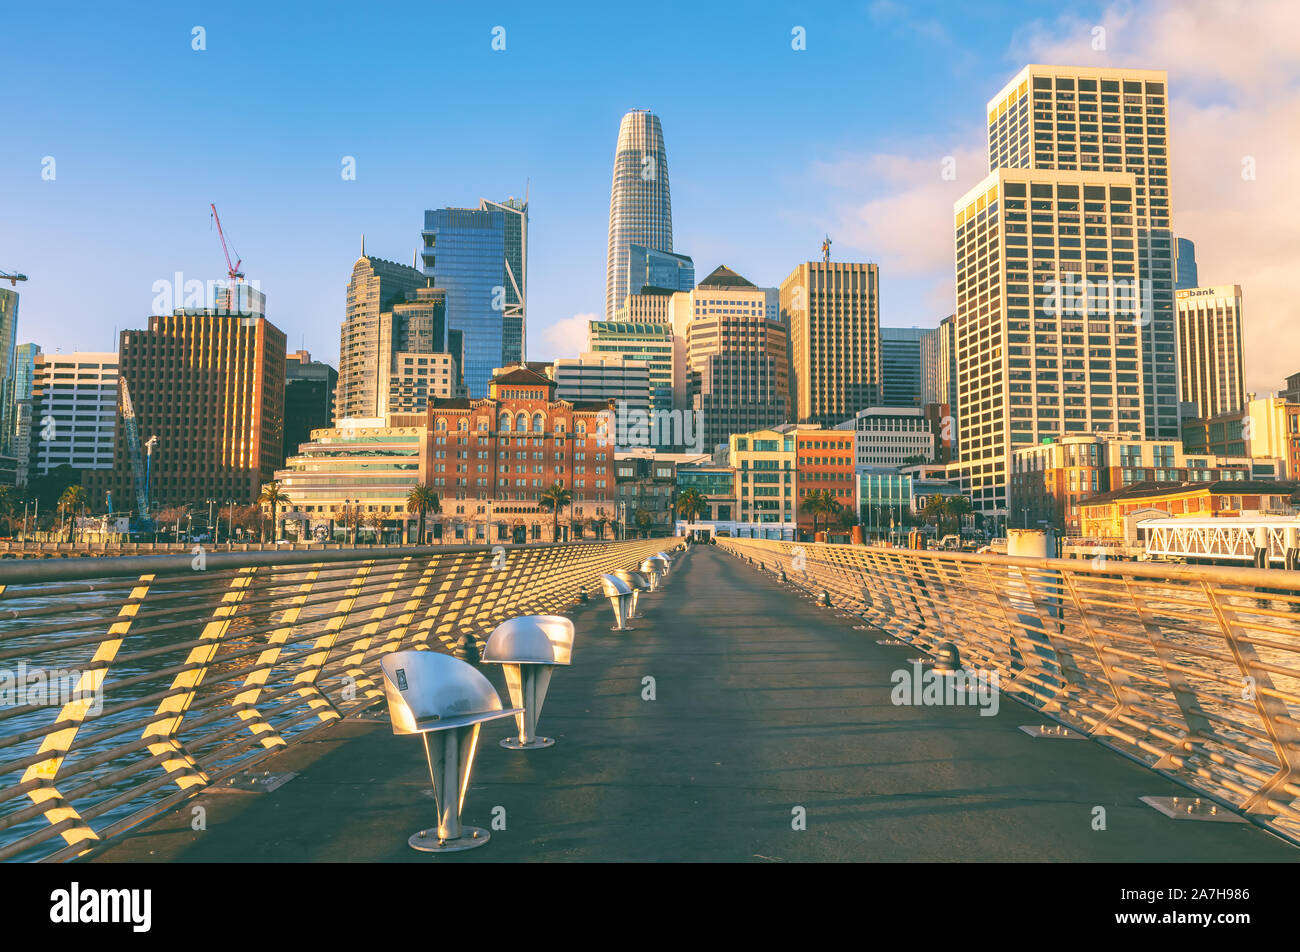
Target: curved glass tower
640,211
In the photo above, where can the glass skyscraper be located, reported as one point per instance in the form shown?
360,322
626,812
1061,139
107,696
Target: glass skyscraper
480,257
658,269
640,209
900,366
1184,265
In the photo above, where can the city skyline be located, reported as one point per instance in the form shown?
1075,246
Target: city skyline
855,179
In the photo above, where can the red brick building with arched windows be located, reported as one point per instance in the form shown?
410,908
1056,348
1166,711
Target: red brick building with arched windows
490,458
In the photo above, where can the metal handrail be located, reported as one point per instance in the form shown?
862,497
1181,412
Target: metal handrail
205,670
1191,670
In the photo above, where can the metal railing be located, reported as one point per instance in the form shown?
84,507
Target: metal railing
128,685
1191,670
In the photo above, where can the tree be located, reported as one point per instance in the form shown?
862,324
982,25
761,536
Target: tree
351,516
956,507
691,504
935,510
552,500
422,499
644,521
272,495
820,502
73,501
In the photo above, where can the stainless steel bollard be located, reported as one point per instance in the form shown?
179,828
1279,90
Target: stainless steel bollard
653,569
444,701
528,648
619,594
637,582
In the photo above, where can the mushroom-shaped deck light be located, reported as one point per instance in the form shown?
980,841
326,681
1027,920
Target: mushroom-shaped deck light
619,594
636,581
444,701
528,648
654,569
668,562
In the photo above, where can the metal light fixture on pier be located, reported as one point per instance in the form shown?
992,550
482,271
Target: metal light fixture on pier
444,701
528,648
619,594
637,582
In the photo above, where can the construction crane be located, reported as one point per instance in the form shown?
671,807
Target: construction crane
141,477
231,269
14,278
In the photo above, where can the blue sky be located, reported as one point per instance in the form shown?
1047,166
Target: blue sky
768,147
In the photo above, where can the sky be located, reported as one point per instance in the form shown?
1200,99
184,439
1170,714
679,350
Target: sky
118,132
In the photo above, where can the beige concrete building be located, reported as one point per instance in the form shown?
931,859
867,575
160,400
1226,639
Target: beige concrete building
375,287
1049,317
833,311
1210,347
736,356
1107,119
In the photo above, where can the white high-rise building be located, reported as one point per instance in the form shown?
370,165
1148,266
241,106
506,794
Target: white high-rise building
74,412
1210,349
1049,334
1107,119
640,208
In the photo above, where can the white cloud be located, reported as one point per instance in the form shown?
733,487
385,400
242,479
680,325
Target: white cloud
566,337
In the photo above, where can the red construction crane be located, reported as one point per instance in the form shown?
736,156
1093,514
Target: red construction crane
232,269
13,278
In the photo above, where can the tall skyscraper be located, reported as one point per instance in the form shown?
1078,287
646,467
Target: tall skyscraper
8,389
1185,265
1210,349
900,366
309,387
375,287
1040,355
640,208
648,268
25,357
210,387
833,311
736,356
939,374
1106,119
480,257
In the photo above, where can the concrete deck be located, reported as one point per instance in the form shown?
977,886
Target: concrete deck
764,702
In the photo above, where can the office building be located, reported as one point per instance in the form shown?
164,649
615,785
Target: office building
492,458
716,482
648,342
640,206
833,311
367,466
1266,427
1116,515
891,436
1106,120
1210,349
647,492
824,462
9,424
376,286
647,306
210,388
764,463
25,356
479,256
73,407
1184,265
309,387
1049,481
736,356
650,268
1049,341
939,377
900,366
595,377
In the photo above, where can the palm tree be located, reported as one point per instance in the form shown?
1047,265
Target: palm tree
692,504
956,507
73,500
553,500
934,510
272,495
422,499
644,522
819,502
